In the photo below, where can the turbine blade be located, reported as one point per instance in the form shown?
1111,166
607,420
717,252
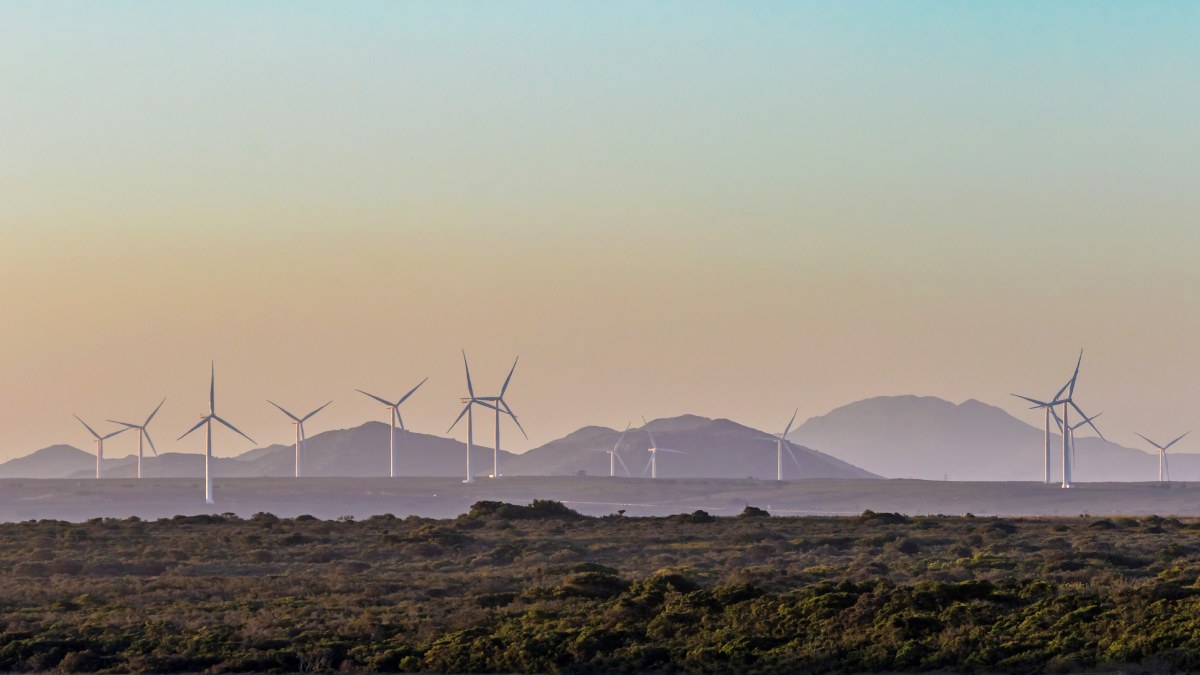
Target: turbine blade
1074,377
1034,401
485,404
399,418
646,426
513,415
1156,445
212,390
645,470
293,417
622,463
198,425
677,452
150,441
387,403
470,389
411,391
160,405
114,433
789,426
1057,419
509,378
460,416
788,446
1176,440
125,424
620,438
305,418
235,429
93,431
1087,419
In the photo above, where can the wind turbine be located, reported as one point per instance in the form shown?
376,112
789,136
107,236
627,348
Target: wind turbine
143,434
100,441
299,424
393,417
1163,469
654,450
501,406
472,400
207,421
1069,400
782,442
614,456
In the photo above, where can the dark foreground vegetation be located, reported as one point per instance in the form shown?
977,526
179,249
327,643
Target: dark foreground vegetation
542,589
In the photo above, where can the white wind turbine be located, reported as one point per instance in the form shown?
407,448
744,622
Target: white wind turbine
781,442
468,409
614,456
298,422
1163,469
100,441
1065,423
143,434
500,406
654,450
207,421
393,418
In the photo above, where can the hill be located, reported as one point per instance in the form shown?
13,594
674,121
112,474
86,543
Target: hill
56,461
929,438
717,448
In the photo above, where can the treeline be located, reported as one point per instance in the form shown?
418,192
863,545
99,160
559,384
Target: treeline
539,588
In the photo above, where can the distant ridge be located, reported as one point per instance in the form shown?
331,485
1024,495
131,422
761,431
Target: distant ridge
717,449
930,438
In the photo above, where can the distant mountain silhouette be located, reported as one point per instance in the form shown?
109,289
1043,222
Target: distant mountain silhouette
927,437
56,461
716,449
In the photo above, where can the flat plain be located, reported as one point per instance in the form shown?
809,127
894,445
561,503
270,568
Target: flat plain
329,498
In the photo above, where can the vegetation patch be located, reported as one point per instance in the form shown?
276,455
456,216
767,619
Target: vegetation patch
539,588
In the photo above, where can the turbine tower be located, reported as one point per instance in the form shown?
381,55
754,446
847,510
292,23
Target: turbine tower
654,450
100,441
298,422
782,442
501,406
143,434
470,401
393,418
206,421
1163,469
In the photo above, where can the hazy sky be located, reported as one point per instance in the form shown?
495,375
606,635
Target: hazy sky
729,209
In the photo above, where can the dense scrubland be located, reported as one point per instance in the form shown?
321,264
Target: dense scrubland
540,588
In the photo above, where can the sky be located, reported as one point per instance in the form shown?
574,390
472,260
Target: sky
727,209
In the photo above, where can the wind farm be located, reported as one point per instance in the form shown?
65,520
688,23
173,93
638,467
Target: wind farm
900,220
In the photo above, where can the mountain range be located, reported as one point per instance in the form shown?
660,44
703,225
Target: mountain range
894,436
714,449
930,438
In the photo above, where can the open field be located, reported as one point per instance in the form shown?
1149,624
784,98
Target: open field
24,499
541,589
